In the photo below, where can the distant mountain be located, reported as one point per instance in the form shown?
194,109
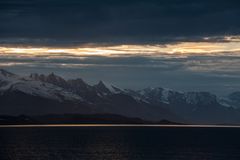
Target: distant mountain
11,83
197,107
22,95
232,100
51,94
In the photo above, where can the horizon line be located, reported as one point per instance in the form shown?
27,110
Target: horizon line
119,125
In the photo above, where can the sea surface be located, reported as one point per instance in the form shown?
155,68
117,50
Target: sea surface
119,143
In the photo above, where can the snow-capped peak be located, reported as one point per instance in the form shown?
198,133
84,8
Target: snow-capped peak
106,88
11,82
156,94
51,78
200,97
112,88
43,77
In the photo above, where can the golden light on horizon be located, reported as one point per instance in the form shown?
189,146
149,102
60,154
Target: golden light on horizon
184,49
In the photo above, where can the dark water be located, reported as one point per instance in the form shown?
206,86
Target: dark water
119,143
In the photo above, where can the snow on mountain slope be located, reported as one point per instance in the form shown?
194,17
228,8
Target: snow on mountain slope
203,98
11,82
149,103
55,87
104,89
152,95
113,89
167,96
231,100
51,78
156,94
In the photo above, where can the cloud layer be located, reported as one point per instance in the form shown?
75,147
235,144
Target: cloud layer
186,45
125,21
218,73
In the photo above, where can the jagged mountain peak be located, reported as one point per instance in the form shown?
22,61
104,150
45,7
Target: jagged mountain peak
160,95
107,88
101,84
52,75
204,98
157,90
33,86
78,85
108,98
51,78
157,94
102,88
78,80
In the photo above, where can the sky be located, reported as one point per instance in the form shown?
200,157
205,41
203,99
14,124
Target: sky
188,45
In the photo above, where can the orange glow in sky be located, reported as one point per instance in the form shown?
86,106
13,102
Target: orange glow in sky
183,49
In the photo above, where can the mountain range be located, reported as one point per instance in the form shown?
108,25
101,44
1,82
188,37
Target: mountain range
39,94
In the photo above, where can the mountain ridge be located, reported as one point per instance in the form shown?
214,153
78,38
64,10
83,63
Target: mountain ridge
54,93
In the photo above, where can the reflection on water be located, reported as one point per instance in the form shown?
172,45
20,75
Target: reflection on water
119,143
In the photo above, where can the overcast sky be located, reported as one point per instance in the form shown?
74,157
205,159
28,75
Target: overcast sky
179,44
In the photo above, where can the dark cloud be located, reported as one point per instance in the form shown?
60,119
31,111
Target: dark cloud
125,21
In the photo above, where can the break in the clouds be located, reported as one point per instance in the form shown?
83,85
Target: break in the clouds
179,44
126,21
215,73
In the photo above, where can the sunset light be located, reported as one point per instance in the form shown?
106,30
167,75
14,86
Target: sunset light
119,80
184,49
